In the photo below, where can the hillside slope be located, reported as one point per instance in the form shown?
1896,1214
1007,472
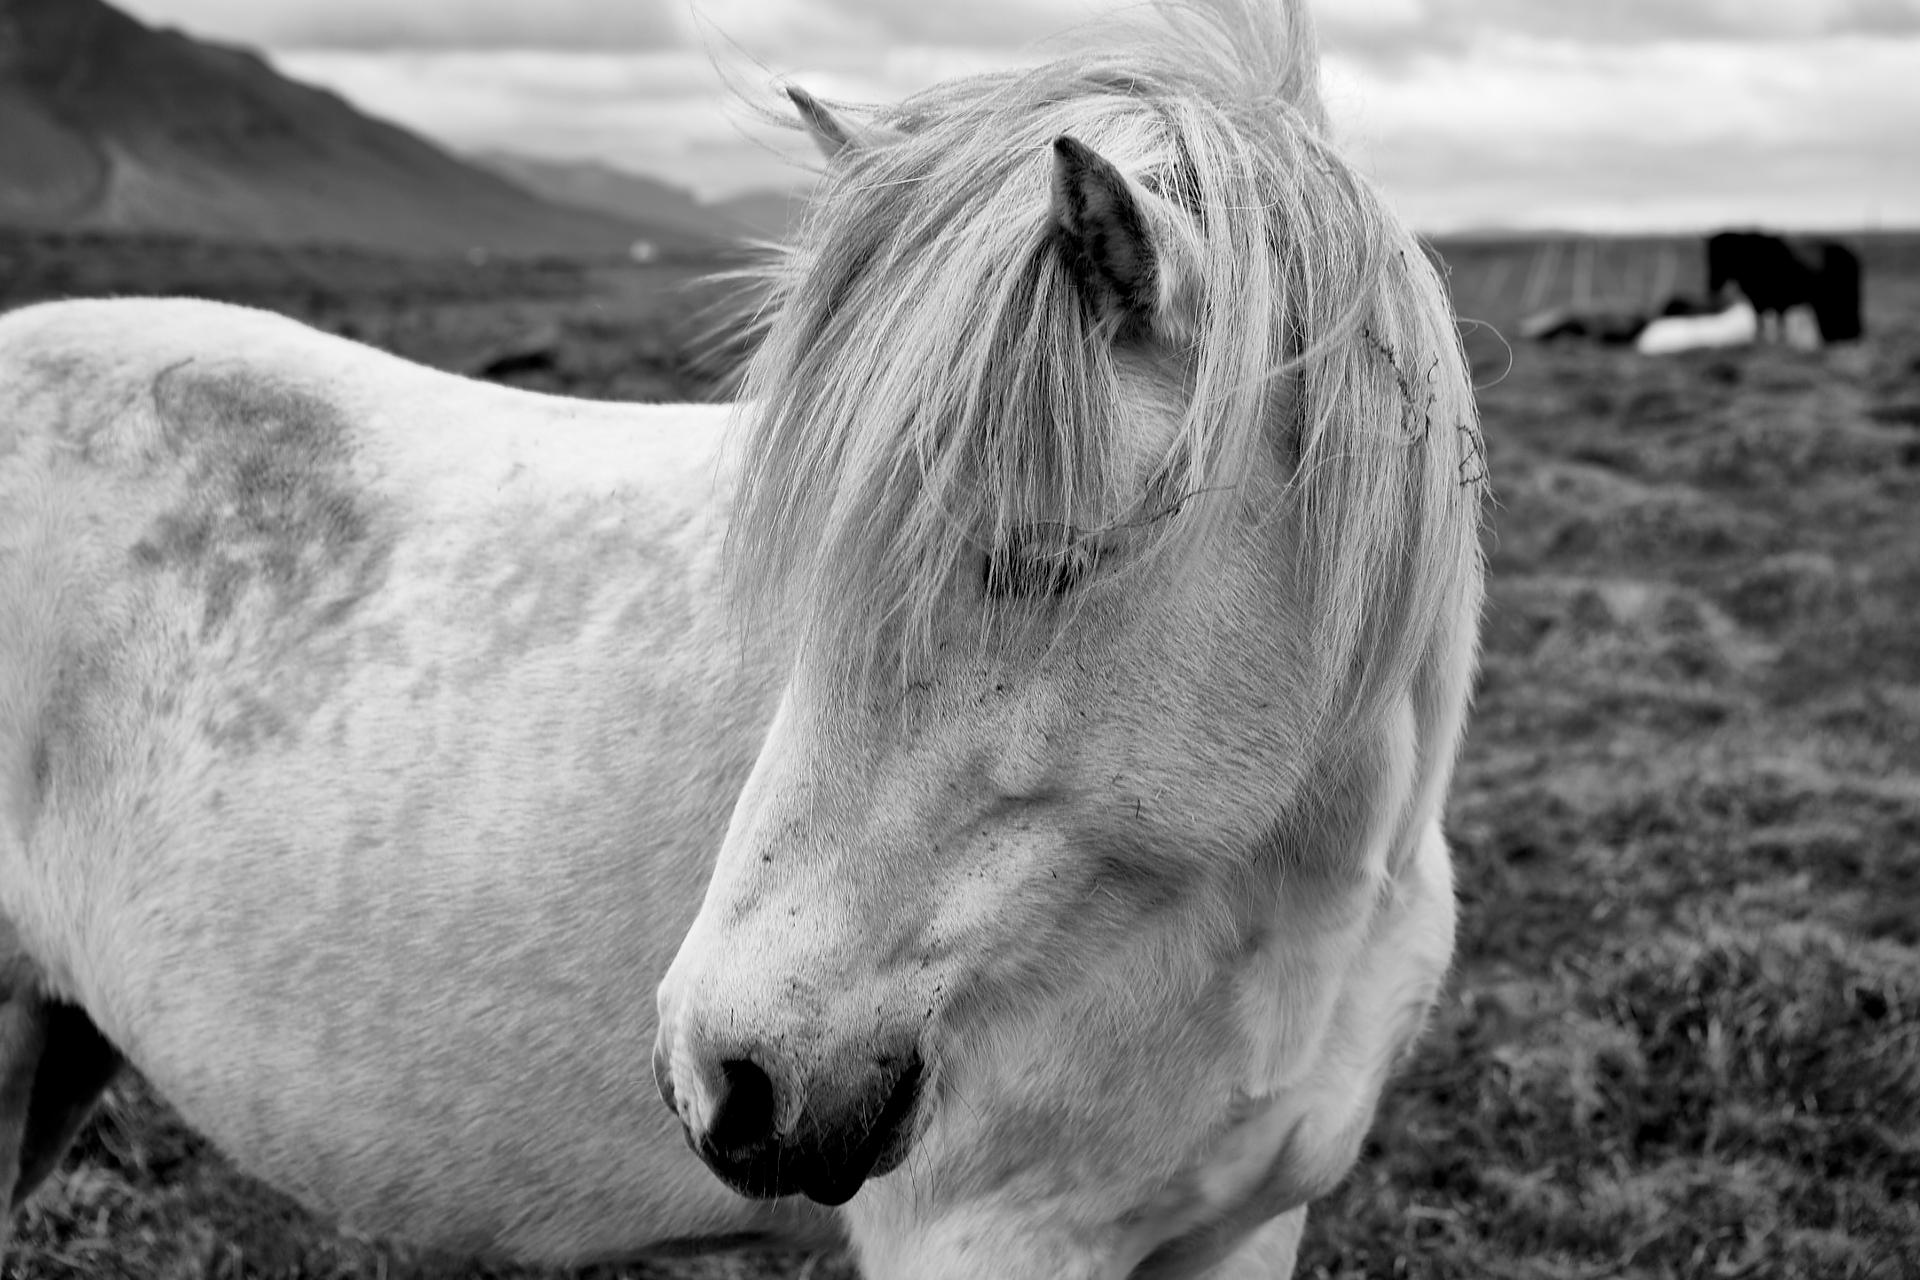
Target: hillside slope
587,184
106,123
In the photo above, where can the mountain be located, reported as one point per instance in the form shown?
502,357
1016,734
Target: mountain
769,214
107,123
589,184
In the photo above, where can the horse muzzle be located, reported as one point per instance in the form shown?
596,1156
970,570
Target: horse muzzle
766,1134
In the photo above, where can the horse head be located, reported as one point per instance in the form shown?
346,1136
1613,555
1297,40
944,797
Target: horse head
1112,480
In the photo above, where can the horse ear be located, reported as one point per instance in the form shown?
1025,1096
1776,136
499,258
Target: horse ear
829,132
1121,239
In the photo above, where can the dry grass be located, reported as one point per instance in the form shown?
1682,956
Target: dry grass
1685,1039
1684,1036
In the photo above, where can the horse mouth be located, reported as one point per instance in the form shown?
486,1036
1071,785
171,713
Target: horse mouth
803,1166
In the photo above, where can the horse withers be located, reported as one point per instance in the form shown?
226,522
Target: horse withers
1015,753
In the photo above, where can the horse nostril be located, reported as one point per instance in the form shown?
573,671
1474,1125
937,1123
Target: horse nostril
744,1115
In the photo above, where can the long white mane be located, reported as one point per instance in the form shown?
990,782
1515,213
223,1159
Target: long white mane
932,380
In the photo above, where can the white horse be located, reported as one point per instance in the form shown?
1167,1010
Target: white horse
1065,664
1737,326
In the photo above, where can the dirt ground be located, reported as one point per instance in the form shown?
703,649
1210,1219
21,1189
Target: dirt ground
1683,1038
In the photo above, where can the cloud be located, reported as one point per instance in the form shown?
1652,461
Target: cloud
1528,131
989,23
1452,187
1652,21
425,24
820,27
618,25
1396,28
661,113
1517,91
1468,112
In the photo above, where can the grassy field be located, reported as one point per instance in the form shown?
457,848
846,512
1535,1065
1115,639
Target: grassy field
1683,1039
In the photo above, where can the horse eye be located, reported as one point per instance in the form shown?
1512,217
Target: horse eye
1027,567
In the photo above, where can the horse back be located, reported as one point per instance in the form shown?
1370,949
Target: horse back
355,715
219,528
186,484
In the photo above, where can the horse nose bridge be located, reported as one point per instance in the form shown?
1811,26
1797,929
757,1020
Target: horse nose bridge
748,1008
763,974
809,1036
811,809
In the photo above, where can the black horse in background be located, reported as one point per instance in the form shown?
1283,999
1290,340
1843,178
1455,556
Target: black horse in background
1775,276
1771,274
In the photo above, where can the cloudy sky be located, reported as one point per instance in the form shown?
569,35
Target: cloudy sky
1603,114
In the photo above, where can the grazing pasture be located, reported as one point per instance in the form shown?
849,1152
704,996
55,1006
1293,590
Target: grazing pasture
1683,1038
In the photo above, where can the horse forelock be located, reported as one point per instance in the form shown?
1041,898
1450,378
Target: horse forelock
932,378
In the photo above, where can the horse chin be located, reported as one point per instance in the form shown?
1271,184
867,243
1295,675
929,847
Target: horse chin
830,1188
831,1193
890,1145
894,1156
759,1176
